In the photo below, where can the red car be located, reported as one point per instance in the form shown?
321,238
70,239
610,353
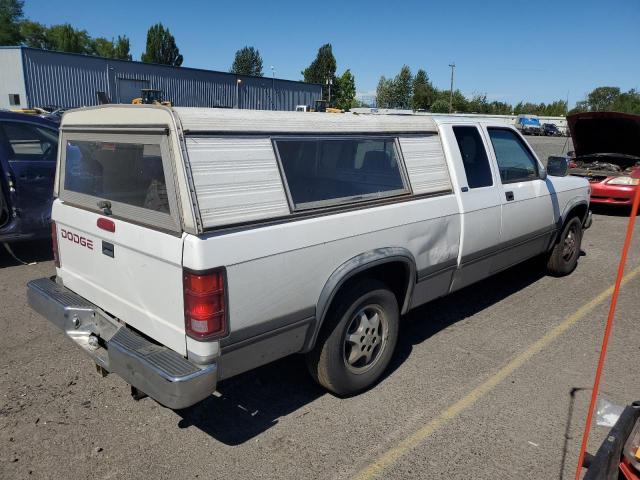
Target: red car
607,152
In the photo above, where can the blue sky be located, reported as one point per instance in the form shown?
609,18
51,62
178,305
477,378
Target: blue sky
535,50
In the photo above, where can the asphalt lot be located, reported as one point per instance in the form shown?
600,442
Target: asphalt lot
491,382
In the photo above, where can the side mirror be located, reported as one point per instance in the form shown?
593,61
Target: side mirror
558,166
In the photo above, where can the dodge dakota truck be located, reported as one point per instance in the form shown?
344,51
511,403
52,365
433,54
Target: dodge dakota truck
194,244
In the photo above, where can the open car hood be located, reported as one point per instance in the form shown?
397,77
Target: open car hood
608,136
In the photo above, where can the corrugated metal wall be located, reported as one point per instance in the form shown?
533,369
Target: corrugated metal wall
69,80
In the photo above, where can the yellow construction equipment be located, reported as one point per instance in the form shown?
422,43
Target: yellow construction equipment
320,106
150,96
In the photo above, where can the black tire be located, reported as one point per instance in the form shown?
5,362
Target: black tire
564,256
330,361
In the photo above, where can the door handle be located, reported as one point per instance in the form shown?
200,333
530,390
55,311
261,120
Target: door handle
509,196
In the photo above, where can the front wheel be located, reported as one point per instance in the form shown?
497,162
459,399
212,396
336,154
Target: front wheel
564,256
357,340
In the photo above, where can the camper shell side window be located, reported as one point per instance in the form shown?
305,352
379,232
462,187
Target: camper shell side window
333,170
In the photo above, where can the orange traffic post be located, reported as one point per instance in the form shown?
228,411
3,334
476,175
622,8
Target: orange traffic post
607,330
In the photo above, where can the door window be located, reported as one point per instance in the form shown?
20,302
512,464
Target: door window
30,142
515,161
474,157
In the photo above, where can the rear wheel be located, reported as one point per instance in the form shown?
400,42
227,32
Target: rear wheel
564,256
357,340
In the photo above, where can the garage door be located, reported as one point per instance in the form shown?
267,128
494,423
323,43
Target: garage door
128,89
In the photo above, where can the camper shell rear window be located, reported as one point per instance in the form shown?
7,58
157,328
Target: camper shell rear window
130,172
327,171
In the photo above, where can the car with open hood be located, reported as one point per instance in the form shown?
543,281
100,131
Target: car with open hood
607,153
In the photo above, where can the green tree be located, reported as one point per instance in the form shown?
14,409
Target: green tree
161,47
247,62
103,47
322,69
628,102
65,38
602,98
121,48
10,16
460,104
384,92
556,109
403,88
346,92
500,108
34,34
609,99
118,49
424,94
580,106
526,108
440,106
479,104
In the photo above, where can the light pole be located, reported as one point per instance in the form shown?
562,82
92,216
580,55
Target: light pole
453,66
329,83
238,82
273,88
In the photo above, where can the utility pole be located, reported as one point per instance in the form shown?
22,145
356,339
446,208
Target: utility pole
329,83
453,66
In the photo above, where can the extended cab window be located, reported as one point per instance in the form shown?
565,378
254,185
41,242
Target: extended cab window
129,173
515,162
328,171
474,157
30,142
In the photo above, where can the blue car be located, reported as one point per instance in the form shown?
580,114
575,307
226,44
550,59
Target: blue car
28,151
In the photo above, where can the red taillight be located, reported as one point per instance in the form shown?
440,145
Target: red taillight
54,244
106,224
204,304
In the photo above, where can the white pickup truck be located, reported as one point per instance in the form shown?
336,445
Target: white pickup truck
195,244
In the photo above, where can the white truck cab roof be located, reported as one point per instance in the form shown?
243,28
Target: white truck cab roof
249,121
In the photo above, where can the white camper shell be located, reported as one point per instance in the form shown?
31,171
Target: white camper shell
195,244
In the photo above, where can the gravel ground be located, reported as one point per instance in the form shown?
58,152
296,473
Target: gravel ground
59,419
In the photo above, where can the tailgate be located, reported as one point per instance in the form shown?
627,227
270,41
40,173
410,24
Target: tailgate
141,283
130,262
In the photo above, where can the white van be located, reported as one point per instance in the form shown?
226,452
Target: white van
194,244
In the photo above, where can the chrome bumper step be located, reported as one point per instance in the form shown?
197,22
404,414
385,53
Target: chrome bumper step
158,371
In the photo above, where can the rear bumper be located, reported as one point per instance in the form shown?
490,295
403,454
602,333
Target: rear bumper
161,373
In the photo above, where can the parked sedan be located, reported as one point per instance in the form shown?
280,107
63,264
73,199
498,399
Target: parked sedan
551,130
607,152
28,150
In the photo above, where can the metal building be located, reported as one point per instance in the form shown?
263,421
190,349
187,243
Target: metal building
31,77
